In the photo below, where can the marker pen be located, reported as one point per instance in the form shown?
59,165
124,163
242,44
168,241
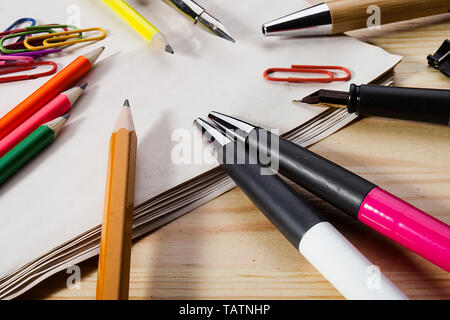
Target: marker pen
361,199
316,239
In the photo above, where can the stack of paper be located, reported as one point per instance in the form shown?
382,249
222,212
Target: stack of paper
50,212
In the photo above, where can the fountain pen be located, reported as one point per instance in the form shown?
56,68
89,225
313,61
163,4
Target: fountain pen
416,104
316,239
345,190
194,11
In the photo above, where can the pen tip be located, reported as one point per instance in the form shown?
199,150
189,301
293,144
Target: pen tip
311,99
221,32
84,86
169,49
126,103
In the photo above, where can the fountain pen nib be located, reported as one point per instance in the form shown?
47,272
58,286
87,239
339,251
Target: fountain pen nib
329,97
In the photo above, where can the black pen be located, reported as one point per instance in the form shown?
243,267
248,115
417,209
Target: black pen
316,239
354,195
417,104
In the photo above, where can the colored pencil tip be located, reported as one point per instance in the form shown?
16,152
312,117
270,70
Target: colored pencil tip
66,116
84,86
93,55
126,103
169,49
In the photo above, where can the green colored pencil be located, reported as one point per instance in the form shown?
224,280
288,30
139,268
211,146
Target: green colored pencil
26,150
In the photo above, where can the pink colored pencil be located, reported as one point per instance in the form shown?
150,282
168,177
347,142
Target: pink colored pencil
54,109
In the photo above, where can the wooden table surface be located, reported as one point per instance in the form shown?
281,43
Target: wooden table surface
227,249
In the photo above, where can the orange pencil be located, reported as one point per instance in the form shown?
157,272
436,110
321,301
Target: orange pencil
115,245
57,84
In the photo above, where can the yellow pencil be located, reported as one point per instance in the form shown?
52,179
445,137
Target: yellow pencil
138,22
115,244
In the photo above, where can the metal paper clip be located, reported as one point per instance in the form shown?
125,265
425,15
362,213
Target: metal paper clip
19,64
12,48
16,60
18,47
19,22
61,39
308,69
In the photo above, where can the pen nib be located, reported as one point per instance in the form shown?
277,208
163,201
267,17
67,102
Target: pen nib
214,26
223,34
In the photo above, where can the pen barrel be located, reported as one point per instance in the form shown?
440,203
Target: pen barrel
344,266
11,162
188,8
407,225
317,240
289,213
327,180
351,15
426,105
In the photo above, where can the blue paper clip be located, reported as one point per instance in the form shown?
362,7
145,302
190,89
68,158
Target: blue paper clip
18,22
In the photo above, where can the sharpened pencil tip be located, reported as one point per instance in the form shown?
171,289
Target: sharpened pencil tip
169,49
126,103
66,116
159,37
93,55
84,86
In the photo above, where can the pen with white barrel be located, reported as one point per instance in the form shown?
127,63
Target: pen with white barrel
316,239
354,195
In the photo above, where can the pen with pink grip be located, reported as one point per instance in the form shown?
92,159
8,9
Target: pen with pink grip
354,195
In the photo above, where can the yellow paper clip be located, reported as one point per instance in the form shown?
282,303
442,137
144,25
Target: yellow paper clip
60,39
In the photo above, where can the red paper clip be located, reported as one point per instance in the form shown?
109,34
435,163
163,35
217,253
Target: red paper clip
308,69
24,64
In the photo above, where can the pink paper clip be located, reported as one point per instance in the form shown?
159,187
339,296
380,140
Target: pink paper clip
17,59
15,64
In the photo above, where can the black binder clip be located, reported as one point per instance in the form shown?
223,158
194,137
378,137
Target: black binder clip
441,59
